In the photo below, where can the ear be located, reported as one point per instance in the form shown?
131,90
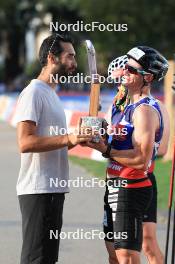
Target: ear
148,77
52,59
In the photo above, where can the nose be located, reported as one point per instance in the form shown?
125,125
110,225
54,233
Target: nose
74,63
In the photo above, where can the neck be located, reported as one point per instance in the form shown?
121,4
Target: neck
135,96
45,77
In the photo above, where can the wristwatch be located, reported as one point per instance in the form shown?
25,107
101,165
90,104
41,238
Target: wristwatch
106,154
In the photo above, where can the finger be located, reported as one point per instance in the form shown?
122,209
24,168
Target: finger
86,137
86,129
80,121
79,124
83,142
85,134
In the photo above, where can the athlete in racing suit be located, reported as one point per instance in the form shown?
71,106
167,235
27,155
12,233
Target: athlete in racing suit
128,188
150,244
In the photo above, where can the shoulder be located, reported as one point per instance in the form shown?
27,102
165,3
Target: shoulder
32,90
144,109
145,113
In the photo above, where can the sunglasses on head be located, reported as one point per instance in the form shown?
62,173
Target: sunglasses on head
134,70
56,36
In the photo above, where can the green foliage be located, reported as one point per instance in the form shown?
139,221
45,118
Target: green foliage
149,23
163,173
95,168
1,73
32,69
69,4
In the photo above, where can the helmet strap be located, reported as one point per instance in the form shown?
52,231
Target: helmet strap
145,83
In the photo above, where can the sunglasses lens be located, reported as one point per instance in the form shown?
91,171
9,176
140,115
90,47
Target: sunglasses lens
131,69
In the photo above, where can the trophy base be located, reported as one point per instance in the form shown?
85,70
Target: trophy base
96,123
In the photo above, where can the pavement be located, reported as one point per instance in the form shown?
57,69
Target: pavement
83,212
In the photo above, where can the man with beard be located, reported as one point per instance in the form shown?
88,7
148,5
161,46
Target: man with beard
44,158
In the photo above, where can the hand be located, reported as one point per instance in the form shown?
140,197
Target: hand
100,146
74,139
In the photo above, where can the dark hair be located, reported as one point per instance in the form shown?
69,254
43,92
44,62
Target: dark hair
52,44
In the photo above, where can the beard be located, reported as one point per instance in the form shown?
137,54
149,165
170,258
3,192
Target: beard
63,70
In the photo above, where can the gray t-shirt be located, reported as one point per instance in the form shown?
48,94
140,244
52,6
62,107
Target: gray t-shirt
44,172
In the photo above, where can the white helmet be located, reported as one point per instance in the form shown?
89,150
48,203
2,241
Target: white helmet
118,63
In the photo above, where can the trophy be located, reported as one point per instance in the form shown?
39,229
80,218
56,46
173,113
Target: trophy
93,121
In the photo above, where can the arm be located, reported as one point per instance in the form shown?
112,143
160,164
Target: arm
28,141
166,131
143,140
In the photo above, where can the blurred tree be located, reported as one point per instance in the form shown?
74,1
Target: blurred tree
149,23
66,12
15,19
15,16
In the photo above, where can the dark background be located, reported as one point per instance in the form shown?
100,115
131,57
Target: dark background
149,23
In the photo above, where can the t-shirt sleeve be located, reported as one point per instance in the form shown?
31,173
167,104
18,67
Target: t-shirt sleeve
29,107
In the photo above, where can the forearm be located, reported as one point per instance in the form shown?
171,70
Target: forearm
130,158
34,143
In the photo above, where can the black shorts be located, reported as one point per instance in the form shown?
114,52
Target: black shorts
150,214
123,214
41,218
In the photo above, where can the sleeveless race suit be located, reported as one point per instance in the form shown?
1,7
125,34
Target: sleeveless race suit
128,190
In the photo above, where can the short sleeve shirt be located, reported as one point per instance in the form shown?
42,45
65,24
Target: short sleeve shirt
44,172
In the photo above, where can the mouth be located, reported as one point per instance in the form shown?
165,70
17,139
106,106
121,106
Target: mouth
71,70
